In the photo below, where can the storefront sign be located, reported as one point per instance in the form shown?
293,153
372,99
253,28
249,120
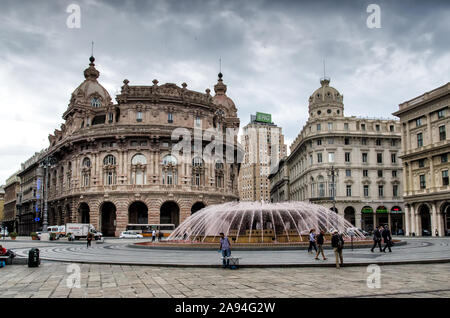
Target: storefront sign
367,209
382,209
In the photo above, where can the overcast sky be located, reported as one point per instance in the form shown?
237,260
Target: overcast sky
272,57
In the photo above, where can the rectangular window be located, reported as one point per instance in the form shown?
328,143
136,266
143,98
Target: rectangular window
380,191
393,142
170,118
110,117
319,142
393,158
442,135
330,126
319,157
319,127
365,173
379,157
347,157
422,181
348,173
394,173
330,141
364,157
349,190
421,163
441,113
331,157
380,173
378,142
391,128
139,116
445,178
310,159
395,190
444,158
197,121
346,126
418,122
366,190
377,127
363,126
364,141
347,141
419,140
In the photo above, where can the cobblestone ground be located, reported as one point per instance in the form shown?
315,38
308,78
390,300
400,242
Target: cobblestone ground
50,281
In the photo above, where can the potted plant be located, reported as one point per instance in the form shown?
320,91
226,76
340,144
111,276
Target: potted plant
52,236
34,236
13,235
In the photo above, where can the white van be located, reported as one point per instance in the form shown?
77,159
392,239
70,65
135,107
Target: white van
59,230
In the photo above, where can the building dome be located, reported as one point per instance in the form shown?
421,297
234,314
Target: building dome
221,98
326,101
90,91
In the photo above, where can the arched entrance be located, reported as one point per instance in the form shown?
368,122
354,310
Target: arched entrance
108,213
445,210
367,218
83,213
197,206
170,213
138,213
425,220
349,215
382,215
334,209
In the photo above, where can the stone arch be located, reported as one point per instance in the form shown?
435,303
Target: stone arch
424,212
170,213
108,218
138,213
445,215
349,215
197,206
84,213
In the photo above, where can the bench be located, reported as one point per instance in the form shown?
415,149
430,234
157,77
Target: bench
232,261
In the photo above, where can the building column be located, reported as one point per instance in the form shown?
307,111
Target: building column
389,220
374,219
412,215
406,216
434,220
408,137
410,183
441,223
417,225
405,179
431,173
430,136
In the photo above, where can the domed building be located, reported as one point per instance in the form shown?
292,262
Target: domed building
113,162
348,164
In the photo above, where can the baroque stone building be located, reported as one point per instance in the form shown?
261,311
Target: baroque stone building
114,164
263,145
12,188
425,121
348,164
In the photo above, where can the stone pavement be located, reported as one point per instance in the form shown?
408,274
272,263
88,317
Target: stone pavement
118,252
106,281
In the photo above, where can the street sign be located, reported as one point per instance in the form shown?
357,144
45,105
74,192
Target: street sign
37,219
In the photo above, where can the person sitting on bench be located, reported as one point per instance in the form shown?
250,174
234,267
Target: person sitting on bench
2,251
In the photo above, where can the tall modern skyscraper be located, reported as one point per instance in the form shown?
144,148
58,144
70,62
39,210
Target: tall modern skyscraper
264,147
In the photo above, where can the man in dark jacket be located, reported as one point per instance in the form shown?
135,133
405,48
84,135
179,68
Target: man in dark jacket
377,239
387,238
337,242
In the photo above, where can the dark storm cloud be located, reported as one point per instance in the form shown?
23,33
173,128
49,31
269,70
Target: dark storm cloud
272,54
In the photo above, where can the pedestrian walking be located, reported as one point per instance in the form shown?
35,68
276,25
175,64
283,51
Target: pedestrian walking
89,240
225,247
377,238
387,238
320,240
153,236
160,236
337,242
312,241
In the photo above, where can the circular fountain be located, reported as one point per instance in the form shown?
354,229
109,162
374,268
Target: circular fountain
261,223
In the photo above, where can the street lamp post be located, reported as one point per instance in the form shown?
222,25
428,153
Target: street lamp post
47,162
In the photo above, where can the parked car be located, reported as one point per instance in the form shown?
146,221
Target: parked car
426,233
130,234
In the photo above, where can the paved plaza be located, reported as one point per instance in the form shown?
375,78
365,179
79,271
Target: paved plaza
105,281
114,251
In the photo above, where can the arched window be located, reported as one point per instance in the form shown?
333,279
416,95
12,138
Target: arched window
109,160
169,170
86,162
109,176
95,102
138,163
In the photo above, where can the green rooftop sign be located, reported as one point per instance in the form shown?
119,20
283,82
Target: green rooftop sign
264,118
